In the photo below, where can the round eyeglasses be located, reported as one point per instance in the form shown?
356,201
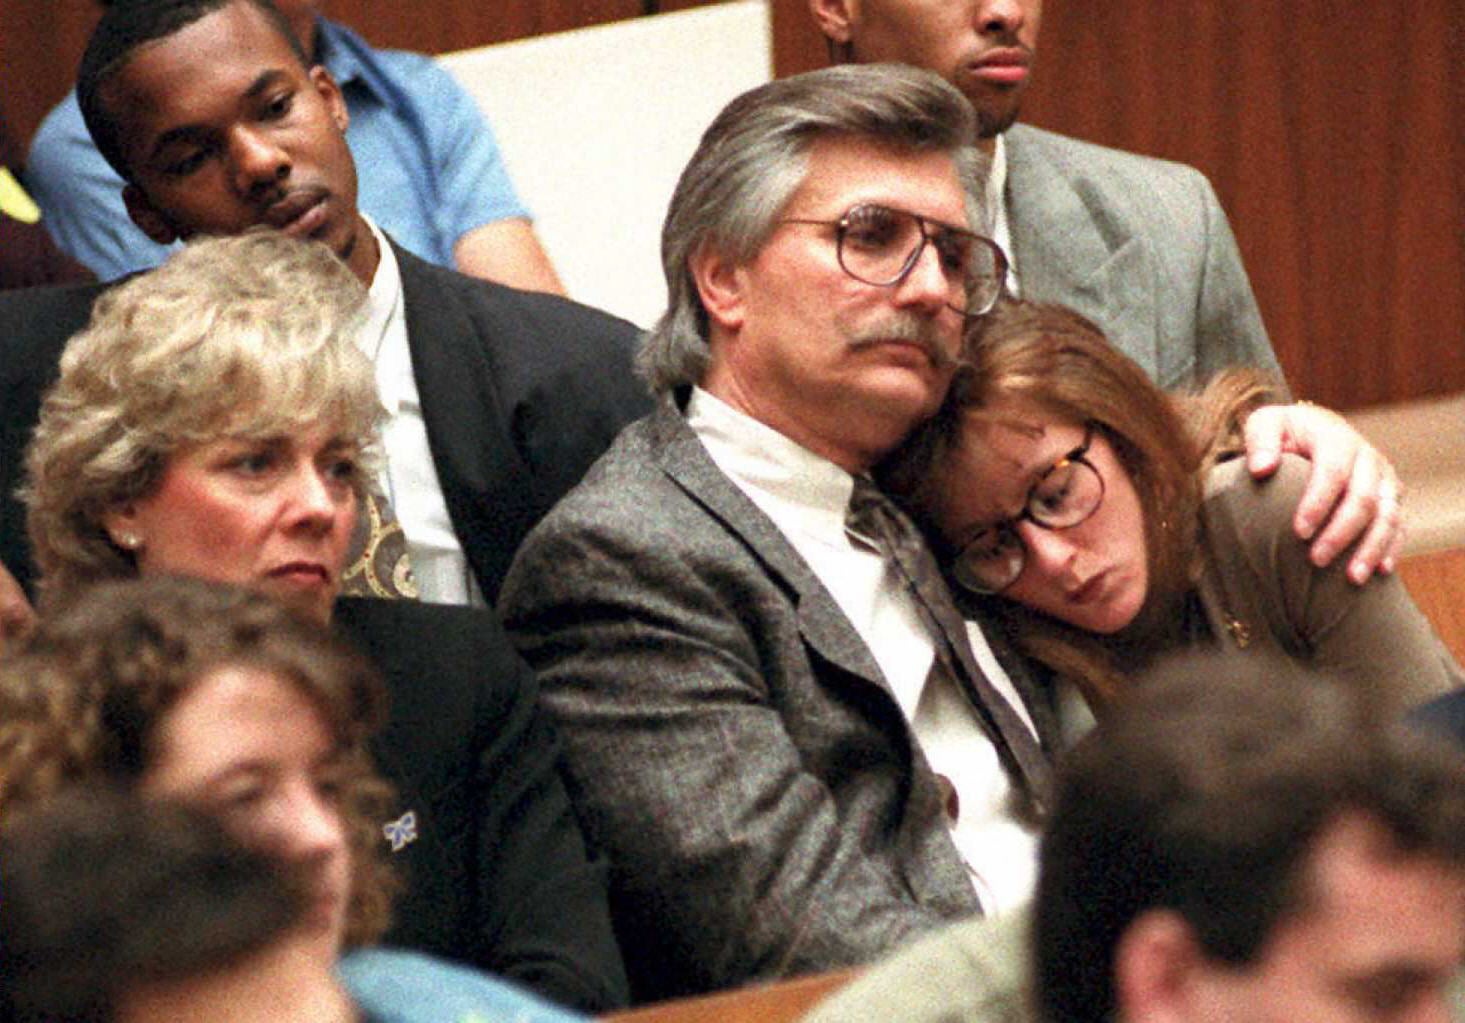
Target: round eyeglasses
880,245
1066,494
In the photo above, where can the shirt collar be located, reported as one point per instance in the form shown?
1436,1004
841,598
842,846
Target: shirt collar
386,285
996,201
762,459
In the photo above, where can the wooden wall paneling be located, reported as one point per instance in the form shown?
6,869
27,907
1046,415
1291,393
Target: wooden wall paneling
1333,137
41,42
1436,581
797,44
438,26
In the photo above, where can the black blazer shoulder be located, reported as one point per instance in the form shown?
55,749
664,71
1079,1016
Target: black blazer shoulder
497,874
35,324
521,392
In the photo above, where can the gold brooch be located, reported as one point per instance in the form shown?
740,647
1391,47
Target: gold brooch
1240,631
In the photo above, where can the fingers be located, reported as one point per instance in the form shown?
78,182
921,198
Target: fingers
1262,433
1383,543
1370,513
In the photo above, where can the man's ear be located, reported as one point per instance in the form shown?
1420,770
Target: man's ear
722,286
329,91
835,18
1156,968
148,217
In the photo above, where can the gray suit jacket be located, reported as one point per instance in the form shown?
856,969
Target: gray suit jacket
1140,246
731,745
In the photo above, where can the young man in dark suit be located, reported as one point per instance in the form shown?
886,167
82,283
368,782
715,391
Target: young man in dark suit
499,399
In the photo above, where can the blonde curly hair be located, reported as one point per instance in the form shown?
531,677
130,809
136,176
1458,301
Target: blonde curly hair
245,337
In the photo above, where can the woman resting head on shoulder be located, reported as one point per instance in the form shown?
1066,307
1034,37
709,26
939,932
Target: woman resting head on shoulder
1106,523
202,425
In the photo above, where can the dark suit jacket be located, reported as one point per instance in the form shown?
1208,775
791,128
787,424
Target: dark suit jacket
497,874
730,743
520,392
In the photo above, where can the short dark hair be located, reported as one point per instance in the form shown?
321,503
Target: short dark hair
103,891
1206,798
123,29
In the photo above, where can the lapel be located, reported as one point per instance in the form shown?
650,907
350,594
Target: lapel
822,624
466,418
1070,249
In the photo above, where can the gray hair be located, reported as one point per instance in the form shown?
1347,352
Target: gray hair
244,337
753,158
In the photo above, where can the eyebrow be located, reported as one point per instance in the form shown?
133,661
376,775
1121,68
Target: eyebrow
195,132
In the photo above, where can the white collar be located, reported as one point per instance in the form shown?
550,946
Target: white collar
770,464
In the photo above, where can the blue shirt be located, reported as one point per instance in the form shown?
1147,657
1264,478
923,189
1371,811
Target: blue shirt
392,986
428,168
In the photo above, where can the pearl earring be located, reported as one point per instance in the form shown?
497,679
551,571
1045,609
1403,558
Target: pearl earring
129,541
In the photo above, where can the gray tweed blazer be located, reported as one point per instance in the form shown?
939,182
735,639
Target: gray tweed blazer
731,745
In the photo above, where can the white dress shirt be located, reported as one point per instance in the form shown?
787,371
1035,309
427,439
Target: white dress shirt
807,497
996,201
409,477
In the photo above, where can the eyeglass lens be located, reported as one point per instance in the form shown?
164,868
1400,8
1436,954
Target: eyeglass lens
1066,495
879,245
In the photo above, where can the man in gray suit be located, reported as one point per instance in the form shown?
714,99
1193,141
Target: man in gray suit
1138,245
792,755
743,687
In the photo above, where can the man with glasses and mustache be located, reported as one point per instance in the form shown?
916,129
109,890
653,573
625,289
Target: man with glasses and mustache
792,749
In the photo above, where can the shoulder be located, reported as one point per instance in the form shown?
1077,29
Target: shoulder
1230,487
37,324
969,970
431,644
425,286
1088,160
406,987
1247,525
638,523
61,133
415,78
626,498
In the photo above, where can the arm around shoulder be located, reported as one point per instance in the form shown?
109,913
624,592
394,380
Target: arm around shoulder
1370,635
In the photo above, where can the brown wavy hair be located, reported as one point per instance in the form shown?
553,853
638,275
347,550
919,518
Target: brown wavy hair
81,702
1051,361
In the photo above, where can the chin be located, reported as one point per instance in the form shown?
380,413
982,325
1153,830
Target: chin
315,604
1120,614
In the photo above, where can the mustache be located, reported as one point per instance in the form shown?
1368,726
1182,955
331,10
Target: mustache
921,331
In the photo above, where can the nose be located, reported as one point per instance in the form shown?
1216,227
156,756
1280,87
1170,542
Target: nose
1050,552
319,503
927,286
1001,17
257,163
310,830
